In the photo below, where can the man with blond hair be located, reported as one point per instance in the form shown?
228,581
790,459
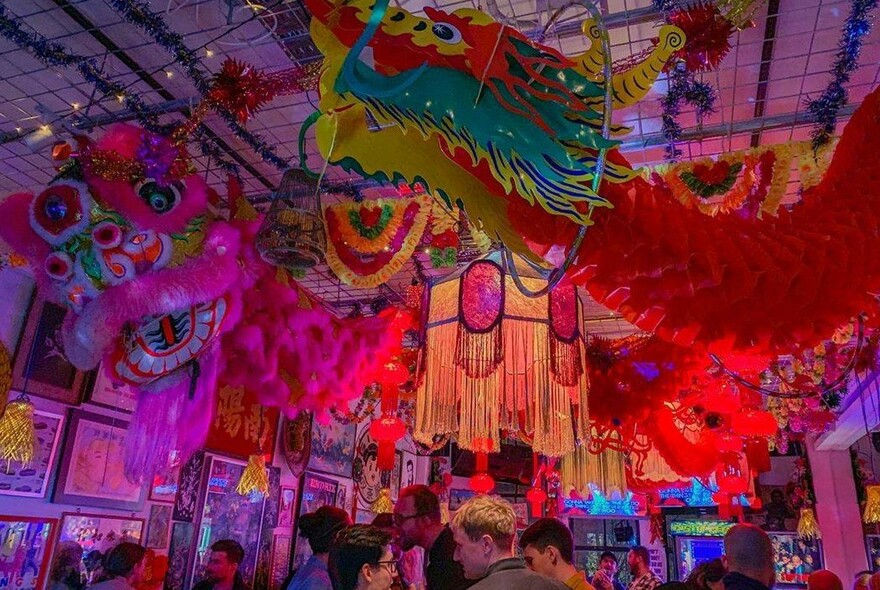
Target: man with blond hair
484,530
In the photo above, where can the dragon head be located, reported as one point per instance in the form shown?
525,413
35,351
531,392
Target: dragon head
121,236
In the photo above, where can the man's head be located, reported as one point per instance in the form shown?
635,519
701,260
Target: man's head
416,512
361,559
638,559
126,560
484,529
749,552
226,555
608,563
547,547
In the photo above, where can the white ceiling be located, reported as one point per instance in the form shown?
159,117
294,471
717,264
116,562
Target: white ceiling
273,34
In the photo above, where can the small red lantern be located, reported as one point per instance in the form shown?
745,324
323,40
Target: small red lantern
536,497
386,431
482,483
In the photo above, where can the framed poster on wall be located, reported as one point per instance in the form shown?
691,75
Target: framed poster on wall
225,514
99,532
91,471
40,366
27,548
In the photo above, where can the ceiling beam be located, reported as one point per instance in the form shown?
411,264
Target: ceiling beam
736,128
764,72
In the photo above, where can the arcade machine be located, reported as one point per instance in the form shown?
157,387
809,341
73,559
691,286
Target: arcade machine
695,539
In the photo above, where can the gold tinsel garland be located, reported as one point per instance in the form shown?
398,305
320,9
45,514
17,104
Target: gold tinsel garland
18,440
255,477
383,504
872,506
5,376
808,527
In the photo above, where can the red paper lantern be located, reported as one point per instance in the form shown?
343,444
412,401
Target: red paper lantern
386,431
482,483
536,497
730,478
758,454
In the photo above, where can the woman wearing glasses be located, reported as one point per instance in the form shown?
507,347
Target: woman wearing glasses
361,559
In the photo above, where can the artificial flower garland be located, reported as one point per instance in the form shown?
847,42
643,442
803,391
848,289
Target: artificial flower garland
364,250
736,180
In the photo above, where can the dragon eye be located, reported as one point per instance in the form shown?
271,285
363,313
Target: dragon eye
60,211
446,33
161,199
59,266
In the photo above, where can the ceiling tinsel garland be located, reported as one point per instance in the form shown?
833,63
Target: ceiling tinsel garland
140,15
54,55
825,108
370,241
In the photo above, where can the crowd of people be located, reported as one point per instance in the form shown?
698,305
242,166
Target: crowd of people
478,550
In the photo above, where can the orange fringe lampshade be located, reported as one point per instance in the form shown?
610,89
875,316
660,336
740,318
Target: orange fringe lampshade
495,359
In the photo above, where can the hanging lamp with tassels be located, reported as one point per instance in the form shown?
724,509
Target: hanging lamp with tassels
18,439
808,526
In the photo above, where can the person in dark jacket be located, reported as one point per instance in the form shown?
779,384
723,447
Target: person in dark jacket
748,557
417,518
484,529
605,577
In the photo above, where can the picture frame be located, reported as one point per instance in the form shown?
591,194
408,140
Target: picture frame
158,526
225,514
40,367
345,494
280,568
369,480
164,487
179,552
286,505
189,484
332,448
104,393
32,481
92,466
28,539
795,559
100,532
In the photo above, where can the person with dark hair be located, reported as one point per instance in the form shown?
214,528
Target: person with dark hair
319,527
221,572
748,556
417,516
123,567
548,548
66,568
639,563
604,578
361,559
708,575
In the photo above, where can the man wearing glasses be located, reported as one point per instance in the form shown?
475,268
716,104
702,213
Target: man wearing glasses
361,559
417,518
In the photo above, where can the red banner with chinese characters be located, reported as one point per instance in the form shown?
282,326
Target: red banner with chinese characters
241,426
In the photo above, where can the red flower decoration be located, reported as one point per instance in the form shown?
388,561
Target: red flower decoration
708,36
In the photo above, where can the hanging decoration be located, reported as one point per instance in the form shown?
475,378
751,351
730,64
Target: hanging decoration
254,478
871,515
808,527
825,108
363,410
605,471
739,12
708,35
481,482
498,360
383,504
443,248
5,376
369,242
216,306
751,182
18,439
